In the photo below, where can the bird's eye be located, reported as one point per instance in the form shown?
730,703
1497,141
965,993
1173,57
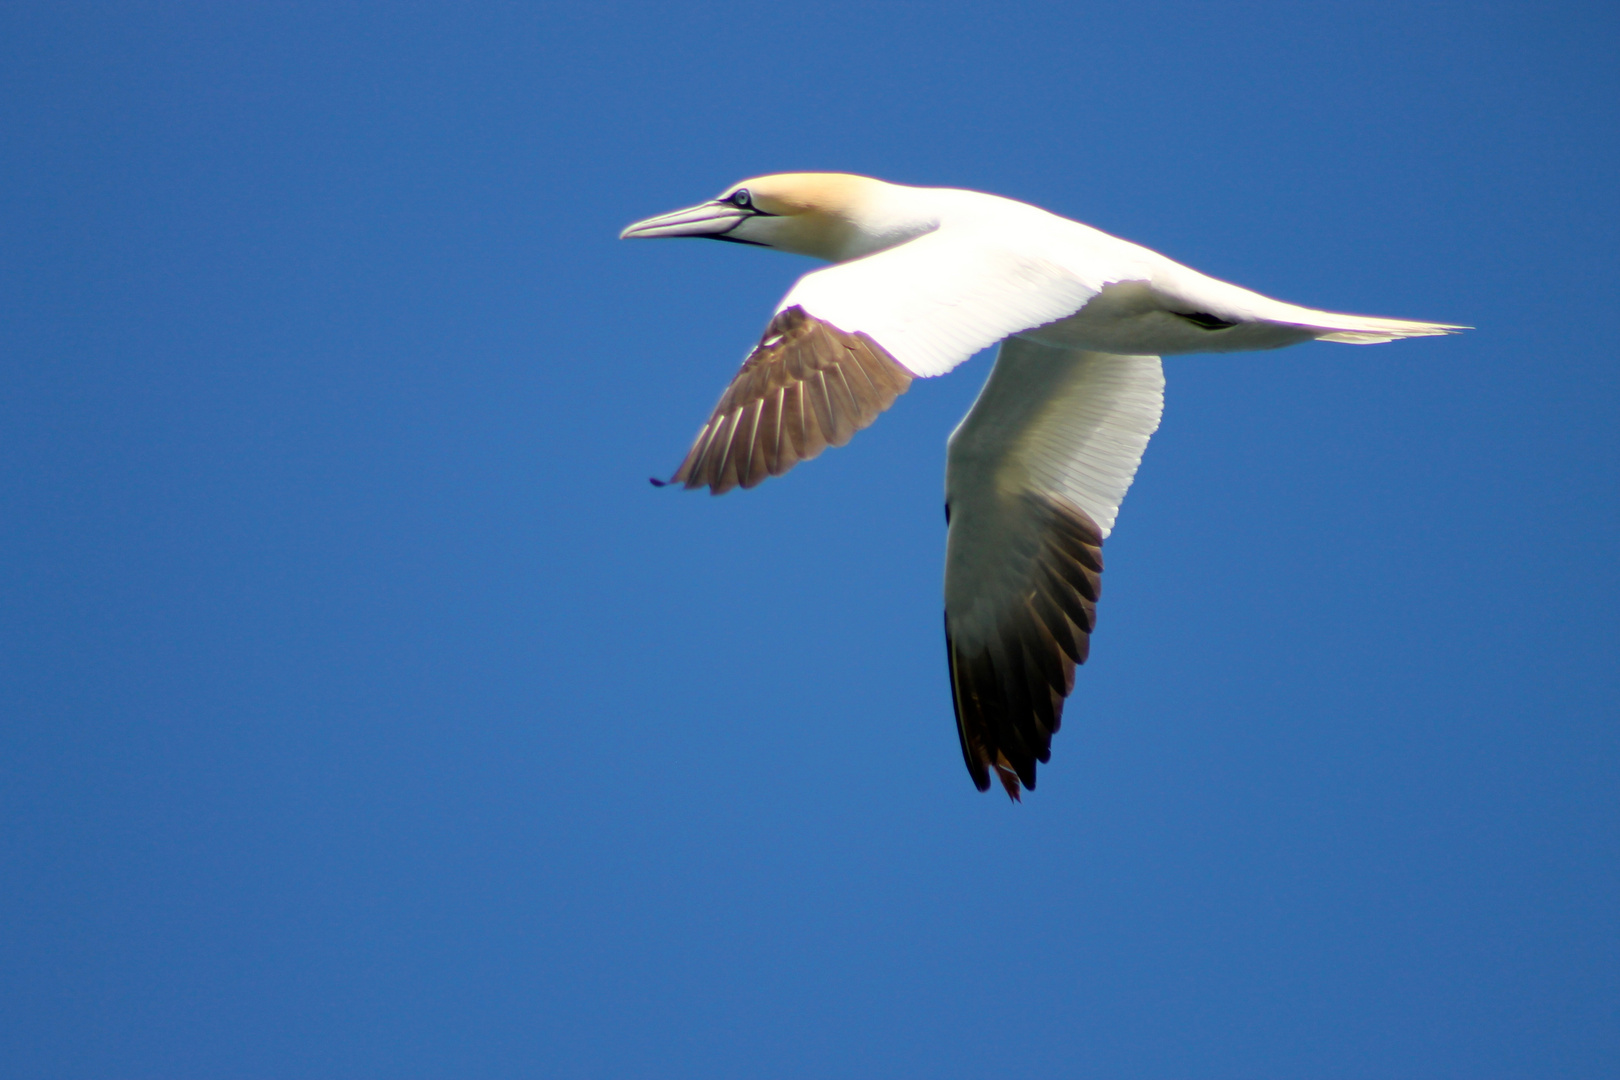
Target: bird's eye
740,197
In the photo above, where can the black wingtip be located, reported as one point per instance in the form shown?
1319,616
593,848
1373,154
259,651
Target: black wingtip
655,482
1009,781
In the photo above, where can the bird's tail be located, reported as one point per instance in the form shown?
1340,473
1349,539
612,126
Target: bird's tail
1370,330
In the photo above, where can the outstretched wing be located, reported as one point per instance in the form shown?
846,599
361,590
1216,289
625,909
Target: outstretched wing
1034,478
806,386
848,339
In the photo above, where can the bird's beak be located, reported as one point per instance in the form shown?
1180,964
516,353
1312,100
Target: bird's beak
705,219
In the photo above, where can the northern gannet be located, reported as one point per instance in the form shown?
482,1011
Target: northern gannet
922,279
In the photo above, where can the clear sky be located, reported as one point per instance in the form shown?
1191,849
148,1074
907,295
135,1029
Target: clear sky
365,713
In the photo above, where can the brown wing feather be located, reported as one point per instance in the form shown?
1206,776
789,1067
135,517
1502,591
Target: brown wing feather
1009,696
806,386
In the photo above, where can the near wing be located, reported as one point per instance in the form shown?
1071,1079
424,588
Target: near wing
847,340
1034,478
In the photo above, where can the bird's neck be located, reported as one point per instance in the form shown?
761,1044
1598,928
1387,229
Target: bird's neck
885,216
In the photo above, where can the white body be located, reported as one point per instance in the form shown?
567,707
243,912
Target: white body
938,268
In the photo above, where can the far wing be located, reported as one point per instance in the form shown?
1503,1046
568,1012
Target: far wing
806,386
847,340
1033,481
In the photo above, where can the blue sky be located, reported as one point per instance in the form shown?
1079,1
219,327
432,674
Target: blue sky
366,714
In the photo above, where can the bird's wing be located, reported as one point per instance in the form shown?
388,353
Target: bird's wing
848,339
1034,478
937,300
806,386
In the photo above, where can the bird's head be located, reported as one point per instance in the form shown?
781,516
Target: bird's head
833,216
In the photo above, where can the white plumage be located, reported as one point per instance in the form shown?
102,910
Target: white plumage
922,279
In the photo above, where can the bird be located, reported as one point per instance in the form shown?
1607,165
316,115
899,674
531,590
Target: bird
922,278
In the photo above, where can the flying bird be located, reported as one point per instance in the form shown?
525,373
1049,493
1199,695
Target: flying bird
923,278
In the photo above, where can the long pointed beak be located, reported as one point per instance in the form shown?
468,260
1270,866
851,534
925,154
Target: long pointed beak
705,219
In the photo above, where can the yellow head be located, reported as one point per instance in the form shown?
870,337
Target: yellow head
833,216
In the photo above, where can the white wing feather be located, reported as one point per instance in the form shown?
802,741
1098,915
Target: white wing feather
1048,422
935,301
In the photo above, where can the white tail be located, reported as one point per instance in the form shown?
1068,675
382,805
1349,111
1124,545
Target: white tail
1368,330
